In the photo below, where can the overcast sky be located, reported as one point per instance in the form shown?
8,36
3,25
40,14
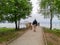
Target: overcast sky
35,5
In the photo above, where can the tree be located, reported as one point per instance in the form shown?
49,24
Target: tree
48,9
2,8
57,4
14,10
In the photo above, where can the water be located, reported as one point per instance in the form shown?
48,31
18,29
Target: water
55,25
11,25
23,25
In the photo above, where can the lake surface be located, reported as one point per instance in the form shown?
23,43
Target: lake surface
23,25
11,25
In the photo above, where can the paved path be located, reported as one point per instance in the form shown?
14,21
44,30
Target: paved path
30,38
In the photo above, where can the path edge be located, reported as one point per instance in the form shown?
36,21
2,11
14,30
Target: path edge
44,37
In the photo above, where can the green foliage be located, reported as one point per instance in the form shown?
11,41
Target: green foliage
10,8
14,10
49,8
50,5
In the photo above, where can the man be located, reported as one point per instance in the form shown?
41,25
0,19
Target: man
34,25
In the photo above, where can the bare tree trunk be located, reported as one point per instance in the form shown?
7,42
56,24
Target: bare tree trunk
51,23
51,20
18,24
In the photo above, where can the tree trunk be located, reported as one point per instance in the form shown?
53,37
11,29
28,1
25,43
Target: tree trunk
18,24
51,21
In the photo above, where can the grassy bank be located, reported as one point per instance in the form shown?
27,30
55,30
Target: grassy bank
52,36
6,34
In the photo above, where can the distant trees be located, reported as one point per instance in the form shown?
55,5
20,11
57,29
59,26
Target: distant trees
14,10
50,8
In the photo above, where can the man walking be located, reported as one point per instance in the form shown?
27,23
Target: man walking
34,25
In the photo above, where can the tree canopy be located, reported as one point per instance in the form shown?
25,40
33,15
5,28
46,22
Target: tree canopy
14,10
50,8
48,5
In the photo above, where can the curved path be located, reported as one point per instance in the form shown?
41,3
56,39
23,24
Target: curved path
30,38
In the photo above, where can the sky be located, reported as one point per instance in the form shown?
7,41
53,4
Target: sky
35,5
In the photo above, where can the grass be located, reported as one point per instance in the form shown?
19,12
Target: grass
7,34
54,31
49,43
52,36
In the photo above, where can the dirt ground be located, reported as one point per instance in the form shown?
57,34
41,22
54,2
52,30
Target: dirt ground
52,39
